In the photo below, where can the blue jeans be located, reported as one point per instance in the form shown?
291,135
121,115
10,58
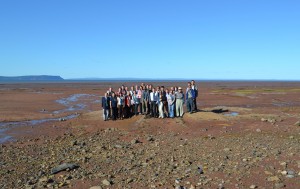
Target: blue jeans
171,110
190,104
105,113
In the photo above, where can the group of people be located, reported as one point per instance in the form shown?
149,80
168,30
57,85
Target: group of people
145,99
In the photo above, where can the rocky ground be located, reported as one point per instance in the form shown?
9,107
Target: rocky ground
113,158
252,142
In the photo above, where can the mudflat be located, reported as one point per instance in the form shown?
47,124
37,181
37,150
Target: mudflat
246,135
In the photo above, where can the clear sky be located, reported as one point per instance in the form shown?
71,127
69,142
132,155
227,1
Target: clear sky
207,39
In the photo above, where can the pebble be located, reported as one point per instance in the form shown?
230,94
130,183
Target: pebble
253,186
273,178
96,187
134,141
290,176
297,123
279,185
106,182
258,130
290,172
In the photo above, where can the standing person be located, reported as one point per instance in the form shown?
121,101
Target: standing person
175,91
164,100
110,91
131,90
120,99
150,107
154,98
157,93
179,96
105,106
195,88
135,103
145,104
113,105
123,90
161,105
119,91
171,102
139,96
127,105
190,96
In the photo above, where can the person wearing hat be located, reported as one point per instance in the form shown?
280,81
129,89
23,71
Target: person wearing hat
179,96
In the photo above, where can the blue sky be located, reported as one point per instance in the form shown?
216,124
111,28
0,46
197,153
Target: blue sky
211,39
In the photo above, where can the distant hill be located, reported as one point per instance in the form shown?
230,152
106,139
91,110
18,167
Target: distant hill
32,78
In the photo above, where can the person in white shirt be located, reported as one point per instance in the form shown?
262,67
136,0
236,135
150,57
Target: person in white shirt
154,100
161,105
120,100
171,103
179,96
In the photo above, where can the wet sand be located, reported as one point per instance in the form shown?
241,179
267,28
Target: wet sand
252,114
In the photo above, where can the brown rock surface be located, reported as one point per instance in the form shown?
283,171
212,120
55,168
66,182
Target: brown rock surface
202,150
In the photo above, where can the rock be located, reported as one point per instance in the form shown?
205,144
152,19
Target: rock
279,185
270,120
258,130
96,187
253,186
273,178
118,146
297,123
200,170
264,120
283,164
134,141
284,172
290,176
106,182
74,143
63,167
227,149
150,139
62,119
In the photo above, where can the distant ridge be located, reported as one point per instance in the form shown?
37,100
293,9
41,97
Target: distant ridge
32,78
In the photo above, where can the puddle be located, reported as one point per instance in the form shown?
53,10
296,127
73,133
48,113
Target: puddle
232,114
71,102
282,104
8,125
4,137
35,122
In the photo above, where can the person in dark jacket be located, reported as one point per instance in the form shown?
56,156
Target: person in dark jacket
113,105
190,96
105,106
195,88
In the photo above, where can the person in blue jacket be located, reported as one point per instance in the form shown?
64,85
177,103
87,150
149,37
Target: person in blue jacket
190,96
105,106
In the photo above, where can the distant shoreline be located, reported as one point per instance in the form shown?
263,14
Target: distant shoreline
147,80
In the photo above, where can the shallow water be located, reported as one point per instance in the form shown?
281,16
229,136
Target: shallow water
4,137
71,103
232,114
5,126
